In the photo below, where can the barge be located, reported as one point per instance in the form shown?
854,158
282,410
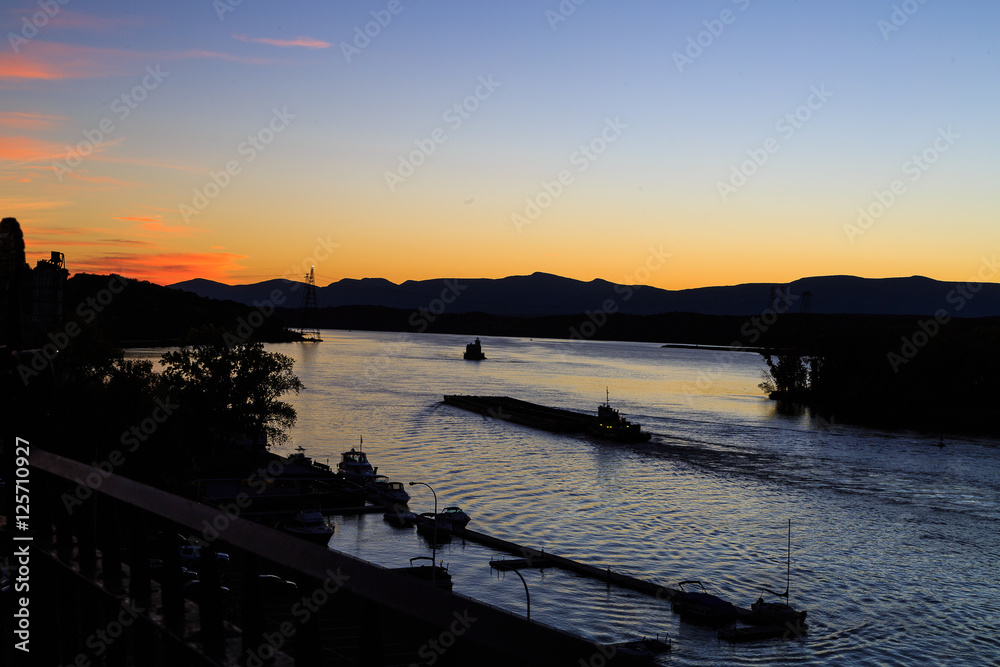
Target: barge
607,424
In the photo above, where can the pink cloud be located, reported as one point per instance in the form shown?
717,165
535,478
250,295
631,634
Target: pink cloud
55,61
29,121
68,20
26,149
305,42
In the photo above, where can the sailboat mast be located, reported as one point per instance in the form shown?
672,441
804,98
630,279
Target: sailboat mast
788,564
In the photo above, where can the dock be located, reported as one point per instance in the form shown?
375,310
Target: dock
529,558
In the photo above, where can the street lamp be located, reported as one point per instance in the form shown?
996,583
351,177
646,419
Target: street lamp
435,532
527,595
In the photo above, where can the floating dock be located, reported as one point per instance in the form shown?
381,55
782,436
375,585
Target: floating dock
536,558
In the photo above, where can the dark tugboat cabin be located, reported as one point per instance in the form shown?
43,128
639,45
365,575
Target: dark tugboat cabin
474,351
609,424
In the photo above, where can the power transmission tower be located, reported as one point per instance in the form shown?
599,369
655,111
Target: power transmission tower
309,321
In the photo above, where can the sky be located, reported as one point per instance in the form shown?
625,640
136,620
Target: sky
675,144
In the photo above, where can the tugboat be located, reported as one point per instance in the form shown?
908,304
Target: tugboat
474,351
611,425
354,466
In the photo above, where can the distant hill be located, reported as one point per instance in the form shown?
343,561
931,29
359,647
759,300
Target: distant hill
146,313
544,294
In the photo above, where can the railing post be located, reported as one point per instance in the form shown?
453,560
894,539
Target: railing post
308,643
210,604
251,610
110,545
86,538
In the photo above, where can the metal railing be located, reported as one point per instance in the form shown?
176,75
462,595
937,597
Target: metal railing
110,586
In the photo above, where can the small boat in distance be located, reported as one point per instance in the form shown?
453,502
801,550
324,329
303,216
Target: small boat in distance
611,425
474,351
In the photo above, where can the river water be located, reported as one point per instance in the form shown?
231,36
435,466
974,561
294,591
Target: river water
895,539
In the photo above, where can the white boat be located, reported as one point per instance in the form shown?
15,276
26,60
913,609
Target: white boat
383,492
355,467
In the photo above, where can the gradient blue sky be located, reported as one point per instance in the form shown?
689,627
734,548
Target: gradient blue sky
654,191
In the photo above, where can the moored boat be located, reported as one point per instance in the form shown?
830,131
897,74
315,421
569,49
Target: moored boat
701,607
433,525
311,526
432,573
455,516
381,491
354,466
778,613
400,519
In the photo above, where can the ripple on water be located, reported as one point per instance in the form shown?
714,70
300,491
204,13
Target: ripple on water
895,542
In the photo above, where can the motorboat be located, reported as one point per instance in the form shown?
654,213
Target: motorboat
383,492
400,519
354,466
436,575
455,516
430,524
311,526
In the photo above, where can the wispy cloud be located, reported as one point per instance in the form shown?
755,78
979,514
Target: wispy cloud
304,42
54,61
13,206
68,20
20,120
99,180
67,231
153,224
138,218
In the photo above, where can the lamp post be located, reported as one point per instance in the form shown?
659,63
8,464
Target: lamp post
527,595
435,533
